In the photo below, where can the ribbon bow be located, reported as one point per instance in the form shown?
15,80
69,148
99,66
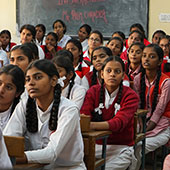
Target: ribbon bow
61,82
117,107
98,109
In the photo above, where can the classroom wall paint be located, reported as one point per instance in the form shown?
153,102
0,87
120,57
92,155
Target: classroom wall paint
8,17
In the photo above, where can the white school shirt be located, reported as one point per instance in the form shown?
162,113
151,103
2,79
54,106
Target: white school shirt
4,117
5,162
63,147
85,45
77,79
4,57
77,94
62,43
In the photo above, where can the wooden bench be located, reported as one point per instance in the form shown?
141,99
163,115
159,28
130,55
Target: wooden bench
89,139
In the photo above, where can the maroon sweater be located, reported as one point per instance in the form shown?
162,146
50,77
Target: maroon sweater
122,124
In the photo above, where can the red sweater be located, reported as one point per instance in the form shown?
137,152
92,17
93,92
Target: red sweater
122,124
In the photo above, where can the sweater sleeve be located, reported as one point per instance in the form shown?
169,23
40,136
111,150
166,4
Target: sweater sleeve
125,115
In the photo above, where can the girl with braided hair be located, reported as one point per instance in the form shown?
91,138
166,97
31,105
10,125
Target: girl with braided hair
75,47
70,88
49,122
153,87
111,106
12,81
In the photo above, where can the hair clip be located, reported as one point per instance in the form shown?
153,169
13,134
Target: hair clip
60,81
98,109
117,107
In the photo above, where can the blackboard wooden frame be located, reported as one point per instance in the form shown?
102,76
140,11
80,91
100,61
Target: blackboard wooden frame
99,14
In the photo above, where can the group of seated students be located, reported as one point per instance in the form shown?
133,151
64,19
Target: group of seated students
48,80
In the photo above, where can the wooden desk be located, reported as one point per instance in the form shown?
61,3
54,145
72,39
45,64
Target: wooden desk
89,139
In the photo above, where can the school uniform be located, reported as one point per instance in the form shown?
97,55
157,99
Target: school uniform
4,57
62,43
78,80
60,148
86,56
47,53
166,59
124,56
121,123
85,69
134,73
5,162
4,117
161,115
41,42
77,94
9,46
85,45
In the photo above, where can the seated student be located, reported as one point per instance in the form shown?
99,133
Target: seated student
111,107
70,89
49,122
27,34
153,87
121,35
157,35
5,39
75,47
40,34
50,48
12,81
60,29
95,40
116,46
134,67
5,162
134,36
83,35
98,56
165,45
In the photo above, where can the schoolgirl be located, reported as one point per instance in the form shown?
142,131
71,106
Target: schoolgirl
116,45
70,89
95,40
75,47
157,35
50,48
49,122
165,45
60,29
40,34
93,77
5,162
133,67
5,39
134,36
111,107
12,81
153,87
27,34
83,35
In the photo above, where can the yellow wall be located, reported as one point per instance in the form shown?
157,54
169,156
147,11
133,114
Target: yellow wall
8,16
157,7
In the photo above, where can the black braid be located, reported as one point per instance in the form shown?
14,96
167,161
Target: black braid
96,116
155,92
94,77
71,84
80,61
31,116
15,102
54,111
127,71
142,89
120,93
166,67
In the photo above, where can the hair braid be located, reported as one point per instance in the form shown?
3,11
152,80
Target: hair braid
31,116
120,93
54,111
71,84
143,88
15,102
94,77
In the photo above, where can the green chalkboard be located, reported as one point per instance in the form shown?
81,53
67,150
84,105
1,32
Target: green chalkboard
106,16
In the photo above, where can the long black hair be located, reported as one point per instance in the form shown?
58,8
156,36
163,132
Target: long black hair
48,68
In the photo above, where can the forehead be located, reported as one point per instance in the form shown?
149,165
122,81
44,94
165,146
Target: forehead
135,34
17,52
95,35
135,47
33,71
58,23
114,65
115,42
99,51
164,41
83,29
149,50
26,31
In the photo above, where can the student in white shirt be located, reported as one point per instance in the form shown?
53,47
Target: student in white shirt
40,34
70,89
27,34
83,35
60,29
49,122
5,162
12,81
